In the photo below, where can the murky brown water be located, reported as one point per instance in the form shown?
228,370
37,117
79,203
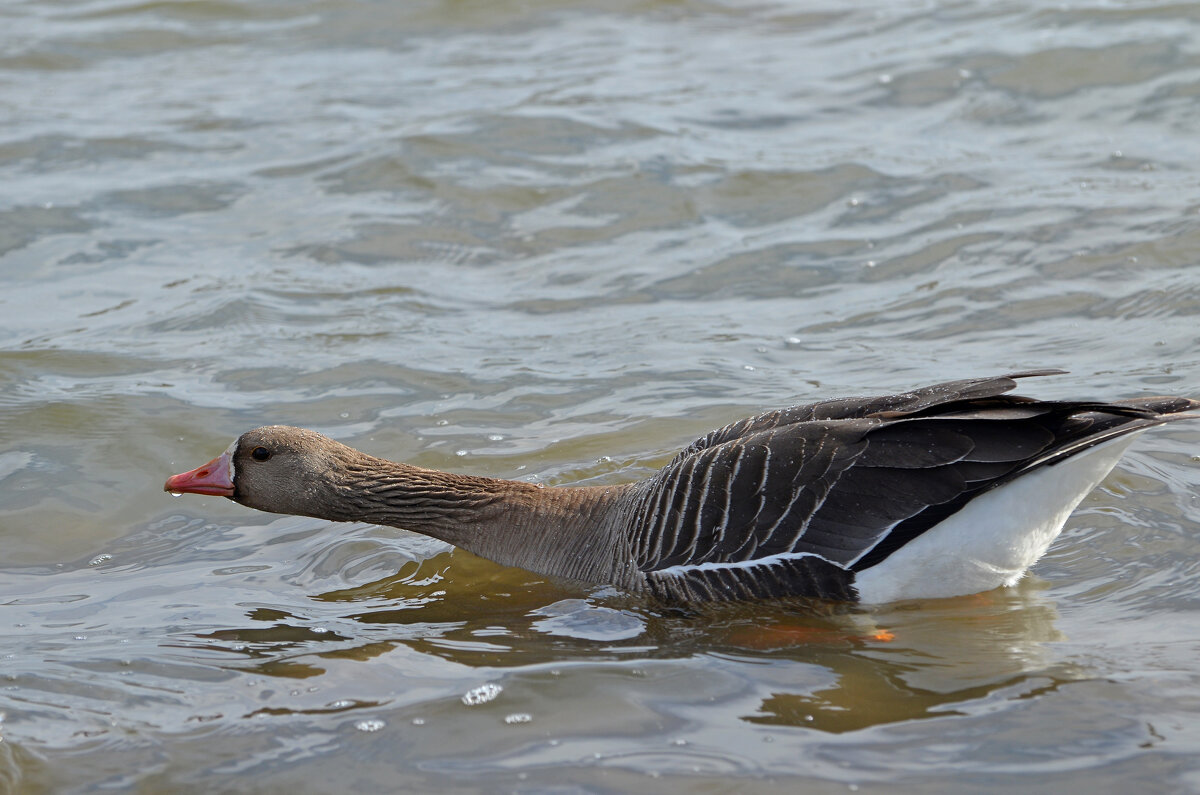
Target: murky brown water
557,241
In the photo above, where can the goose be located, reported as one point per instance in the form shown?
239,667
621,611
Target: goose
947,490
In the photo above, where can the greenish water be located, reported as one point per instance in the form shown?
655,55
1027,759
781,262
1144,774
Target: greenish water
557,241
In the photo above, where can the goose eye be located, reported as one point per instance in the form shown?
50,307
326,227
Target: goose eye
260,454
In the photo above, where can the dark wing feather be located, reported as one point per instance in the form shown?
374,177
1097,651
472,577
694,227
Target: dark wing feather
1071,428
803,576
875,405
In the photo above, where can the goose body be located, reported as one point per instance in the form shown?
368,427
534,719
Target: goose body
951,489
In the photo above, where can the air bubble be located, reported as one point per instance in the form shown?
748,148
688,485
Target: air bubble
482,694
372,725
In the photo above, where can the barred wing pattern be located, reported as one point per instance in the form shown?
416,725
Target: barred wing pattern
734,513
794,502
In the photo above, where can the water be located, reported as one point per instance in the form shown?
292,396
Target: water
557,241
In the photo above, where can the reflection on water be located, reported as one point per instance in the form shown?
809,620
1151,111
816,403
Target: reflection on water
863,667
252,640
938,655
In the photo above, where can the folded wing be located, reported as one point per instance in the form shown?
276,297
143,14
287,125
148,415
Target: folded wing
794,502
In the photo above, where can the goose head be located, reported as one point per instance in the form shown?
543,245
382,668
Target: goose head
277,468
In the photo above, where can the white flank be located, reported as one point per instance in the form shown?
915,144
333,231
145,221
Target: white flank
996,537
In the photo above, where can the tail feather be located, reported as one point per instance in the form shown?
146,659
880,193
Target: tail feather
1166,407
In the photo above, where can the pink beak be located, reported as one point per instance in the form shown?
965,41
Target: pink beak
213,478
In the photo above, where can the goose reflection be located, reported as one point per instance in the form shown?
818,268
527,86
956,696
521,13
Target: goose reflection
946,657
824,667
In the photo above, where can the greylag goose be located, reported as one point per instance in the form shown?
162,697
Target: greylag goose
947,490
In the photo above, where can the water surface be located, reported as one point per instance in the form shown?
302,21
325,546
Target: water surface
556,242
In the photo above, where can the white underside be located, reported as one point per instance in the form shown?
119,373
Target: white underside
994,539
